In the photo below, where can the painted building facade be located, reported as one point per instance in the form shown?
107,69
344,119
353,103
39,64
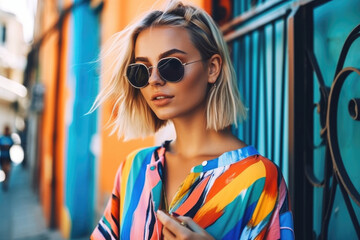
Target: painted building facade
13,50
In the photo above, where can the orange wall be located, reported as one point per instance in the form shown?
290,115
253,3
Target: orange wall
61,128
46,76
115,16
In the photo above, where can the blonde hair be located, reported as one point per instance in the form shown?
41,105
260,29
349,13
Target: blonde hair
131,116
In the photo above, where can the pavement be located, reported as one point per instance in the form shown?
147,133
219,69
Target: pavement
21,216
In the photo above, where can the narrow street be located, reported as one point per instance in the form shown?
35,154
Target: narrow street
20,211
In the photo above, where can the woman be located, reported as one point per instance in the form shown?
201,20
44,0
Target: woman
174,65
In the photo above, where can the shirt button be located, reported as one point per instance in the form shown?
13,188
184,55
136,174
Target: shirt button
152,168
204,163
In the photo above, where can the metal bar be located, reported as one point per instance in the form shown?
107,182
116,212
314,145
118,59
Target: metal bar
327,208
273,92
265,96
247,15
263,8
283,81
332,134
291,87
327,192
300,118
315,67
350,209
355,34
250,86
322,105
256,105
256,24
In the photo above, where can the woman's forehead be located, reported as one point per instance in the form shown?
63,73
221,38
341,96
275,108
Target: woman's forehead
154,41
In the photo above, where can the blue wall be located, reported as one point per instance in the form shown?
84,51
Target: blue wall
83,81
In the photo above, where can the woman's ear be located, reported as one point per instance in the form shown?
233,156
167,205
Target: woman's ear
214,68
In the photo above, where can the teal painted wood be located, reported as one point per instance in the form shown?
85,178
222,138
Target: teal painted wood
83,82
260,61
332,24
261,89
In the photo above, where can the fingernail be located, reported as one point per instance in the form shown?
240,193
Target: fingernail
174,214
160,212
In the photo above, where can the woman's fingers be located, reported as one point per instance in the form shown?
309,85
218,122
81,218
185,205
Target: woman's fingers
168,235
172,224
194,226
181,227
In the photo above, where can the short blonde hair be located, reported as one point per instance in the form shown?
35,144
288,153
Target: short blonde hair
131,116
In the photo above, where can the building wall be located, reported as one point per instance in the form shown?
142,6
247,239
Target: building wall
12,62
46,75
63,218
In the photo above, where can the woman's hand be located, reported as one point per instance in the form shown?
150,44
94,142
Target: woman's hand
181,228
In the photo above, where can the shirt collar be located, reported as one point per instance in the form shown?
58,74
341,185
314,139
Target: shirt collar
224,159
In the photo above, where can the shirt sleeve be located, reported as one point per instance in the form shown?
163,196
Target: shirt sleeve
109,225
281,224
271,218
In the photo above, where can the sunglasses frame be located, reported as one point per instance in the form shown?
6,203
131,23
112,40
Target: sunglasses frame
151,67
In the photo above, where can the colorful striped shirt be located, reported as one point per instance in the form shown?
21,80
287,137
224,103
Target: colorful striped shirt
239,195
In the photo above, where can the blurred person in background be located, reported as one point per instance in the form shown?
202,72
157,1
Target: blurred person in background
174,65
6,143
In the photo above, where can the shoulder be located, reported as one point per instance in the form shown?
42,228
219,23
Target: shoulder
138,159
267,163
142,154
271,170
248,158
259,169
134,165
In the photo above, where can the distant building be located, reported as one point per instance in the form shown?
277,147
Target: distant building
13,51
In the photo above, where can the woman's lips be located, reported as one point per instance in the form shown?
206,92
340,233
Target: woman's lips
161,99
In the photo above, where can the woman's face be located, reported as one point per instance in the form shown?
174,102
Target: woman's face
171,100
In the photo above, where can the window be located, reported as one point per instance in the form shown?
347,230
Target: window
2,33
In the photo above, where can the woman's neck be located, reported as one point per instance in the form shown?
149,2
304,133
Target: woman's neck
193,139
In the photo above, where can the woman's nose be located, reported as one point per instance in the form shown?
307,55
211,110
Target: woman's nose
154,78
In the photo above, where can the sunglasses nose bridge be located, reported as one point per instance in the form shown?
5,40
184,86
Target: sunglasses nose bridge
154,76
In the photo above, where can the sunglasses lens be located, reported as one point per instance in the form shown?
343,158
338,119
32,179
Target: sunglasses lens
137,75
171,69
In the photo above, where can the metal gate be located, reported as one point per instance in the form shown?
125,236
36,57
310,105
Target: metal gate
278,48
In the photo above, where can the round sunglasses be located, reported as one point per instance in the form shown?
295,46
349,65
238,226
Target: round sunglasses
170,69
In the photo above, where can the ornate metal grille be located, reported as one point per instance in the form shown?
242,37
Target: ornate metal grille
335,173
